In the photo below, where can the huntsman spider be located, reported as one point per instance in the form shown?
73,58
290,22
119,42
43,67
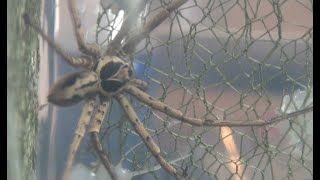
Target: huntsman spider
109,75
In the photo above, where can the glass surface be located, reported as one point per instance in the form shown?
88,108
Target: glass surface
222,60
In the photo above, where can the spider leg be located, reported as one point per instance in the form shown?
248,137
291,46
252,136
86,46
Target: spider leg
139,83
73,61
95,129
146,138
86,48
130,19
130,44
79,133
174,113
158,105
103,109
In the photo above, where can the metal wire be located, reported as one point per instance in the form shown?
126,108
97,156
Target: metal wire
226,60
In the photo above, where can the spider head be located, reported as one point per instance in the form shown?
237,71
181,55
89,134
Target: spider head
113,73
72,88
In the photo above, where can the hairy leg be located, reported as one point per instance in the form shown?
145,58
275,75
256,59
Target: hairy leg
87,48
146,138
131,17
79,133
95,129
73,61
130,45
158,105
174,113
139,83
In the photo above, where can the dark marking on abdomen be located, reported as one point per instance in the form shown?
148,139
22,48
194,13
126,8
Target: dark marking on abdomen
91,83
65,102
111,85
109,70
75,99
70,80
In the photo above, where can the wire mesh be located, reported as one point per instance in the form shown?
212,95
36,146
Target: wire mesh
226,60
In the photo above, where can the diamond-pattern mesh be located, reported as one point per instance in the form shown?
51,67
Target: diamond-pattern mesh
227,60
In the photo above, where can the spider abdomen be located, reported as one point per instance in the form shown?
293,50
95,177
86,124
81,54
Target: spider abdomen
111,85
72,88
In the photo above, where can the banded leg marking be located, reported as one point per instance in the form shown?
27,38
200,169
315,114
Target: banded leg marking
158,105
142,85
86,48
130,19
103,109
146,138
155,21
73,61
78,134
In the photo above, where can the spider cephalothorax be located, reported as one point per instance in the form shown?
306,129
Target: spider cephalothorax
107,78
113,74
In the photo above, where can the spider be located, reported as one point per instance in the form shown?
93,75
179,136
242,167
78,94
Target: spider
108,75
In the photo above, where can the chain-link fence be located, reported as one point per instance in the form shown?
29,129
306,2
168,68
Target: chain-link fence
227,60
